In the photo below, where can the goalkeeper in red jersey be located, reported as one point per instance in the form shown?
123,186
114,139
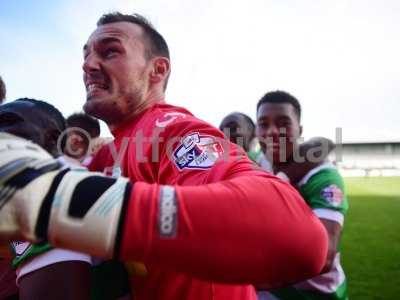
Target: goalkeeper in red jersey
189,206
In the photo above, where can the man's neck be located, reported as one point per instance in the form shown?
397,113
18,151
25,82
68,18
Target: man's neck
152,99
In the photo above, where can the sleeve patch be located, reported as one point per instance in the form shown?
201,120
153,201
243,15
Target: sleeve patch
332,194
197,151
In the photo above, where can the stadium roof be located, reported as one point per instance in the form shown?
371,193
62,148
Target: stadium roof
362,141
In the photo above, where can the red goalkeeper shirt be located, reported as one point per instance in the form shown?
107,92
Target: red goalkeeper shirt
166,145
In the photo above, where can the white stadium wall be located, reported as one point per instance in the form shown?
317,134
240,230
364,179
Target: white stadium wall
368,159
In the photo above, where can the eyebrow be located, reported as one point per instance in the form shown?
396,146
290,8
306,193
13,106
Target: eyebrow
106,40
261,118
284,118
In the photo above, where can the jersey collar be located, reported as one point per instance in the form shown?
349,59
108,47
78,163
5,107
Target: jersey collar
324,165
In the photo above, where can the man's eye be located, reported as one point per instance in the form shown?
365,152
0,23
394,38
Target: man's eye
110,52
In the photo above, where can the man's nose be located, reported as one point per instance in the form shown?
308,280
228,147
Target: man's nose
272,130
91,63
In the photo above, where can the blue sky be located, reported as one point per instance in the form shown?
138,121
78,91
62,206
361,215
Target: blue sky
339,58
29,11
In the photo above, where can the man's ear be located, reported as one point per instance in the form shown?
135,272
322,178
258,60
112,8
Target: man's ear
300,130
160,71
51,141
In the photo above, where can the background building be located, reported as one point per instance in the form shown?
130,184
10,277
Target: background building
368,158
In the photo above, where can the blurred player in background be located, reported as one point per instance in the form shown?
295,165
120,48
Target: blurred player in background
240,129
187,208
83,131
43,276
319,182
44,272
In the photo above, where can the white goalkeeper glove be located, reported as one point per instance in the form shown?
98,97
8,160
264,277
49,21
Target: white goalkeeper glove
73,209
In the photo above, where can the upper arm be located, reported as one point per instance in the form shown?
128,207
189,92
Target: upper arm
324,192
63,280
42,270
334,230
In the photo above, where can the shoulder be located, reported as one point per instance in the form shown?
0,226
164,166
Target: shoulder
324,173
165,115
193,144
324,188
174,121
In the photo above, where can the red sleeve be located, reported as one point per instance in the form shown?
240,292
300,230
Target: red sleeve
229,222
252,229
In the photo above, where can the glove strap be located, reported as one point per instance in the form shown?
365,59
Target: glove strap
44,213
87,213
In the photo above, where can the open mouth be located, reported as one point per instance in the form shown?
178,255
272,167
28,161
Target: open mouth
94,88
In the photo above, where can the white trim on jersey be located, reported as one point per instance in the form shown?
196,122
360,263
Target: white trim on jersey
329,214
325,165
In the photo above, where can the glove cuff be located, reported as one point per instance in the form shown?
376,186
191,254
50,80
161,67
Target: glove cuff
86,213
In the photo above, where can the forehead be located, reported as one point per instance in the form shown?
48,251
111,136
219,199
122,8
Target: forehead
267,110
118,30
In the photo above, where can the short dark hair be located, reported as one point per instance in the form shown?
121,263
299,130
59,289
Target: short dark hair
50,110
86,122
158,45
281,97
248,120
2,90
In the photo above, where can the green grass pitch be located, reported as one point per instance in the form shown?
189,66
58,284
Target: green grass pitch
371,238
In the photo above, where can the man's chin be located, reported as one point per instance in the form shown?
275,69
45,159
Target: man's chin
95,98
87,107
93,106
102,109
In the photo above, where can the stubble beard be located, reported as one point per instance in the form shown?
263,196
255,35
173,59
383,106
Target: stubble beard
117,108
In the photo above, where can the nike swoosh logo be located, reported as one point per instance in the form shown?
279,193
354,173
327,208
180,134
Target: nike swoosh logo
170,118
